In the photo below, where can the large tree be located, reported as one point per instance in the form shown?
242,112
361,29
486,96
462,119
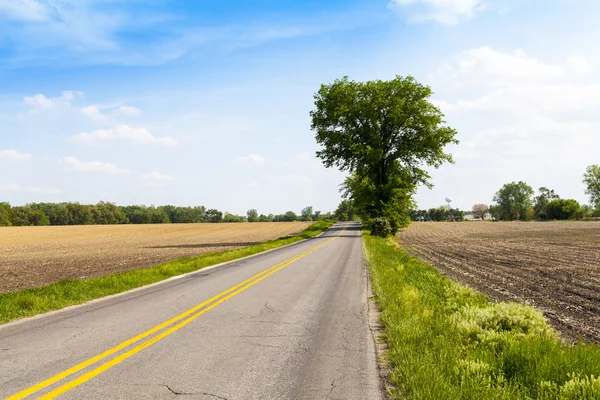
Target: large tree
591,178
384,132
513,201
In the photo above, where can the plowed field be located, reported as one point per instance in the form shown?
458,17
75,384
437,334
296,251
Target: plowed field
36,256
554,266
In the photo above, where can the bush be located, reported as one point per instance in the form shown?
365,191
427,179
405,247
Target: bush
562,209
381,227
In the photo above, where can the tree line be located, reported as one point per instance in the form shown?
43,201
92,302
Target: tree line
440,214
105,213
516,201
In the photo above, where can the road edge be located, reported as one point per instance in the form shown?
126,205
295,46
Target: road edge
376,328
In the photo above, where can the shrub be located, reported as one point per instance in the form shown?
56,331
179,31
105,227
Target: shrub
562,209
381,227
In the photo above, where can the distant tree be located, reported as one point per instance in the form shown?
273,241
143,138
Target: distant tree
456,215
591,178
289,216
264,218
108,214
563,209
6,214
157,215
495,211
252,215
79,214
514,201
586,211
317,216
214,216
480,210
26,216
58,214
228,217
344,211
541,201
307,214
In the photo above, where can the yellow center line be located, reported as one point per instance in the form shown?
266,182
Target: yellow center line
223,296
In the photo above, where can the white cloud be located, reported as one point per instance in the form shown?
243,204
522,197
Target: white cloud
252,159
579,65
490,67
449,12
74,164
13,155
10,187
41,102
520,118
28,10
122,133
93,112
48,191
155,179
129,111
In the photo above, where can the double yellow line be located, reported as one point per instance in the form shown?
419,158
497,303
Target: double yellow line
185,318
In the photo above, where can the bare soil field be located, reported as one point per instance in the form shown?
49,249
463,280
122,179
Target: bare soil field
37,256
554,266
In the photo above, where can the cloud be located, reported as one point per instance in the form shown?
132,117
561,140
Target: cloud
41,102
129,111
448,12
48,191
25,10
521,118
579,65
122,133
487,66
10,187
155,179
74,164
13,155
93,112
252,159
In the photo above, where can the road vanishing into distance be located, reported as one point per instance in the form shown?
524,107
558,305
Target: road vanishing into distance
287,324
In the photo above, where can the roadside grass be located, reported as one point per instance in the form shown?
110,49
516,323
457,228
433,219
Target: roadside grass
446,341
68,292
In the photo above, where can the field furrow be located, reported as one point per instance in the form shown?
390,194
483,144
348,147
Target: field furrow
552,265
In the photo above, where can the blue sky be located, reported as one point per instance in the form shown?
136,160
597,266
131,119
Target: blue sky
206,103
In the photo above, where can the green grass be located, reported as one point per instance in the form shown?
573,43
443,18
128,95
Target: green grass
68,292
449,342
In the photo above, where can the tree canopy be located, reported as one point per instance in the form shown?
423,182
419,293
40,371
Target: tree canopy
591,178
385,133
513,201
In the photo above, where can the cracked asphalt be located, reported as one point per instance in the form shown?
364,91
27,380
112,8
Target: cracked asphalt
301,333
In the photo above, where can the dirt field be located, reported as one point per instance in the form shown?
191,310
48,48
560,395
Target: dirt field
554,266
36,256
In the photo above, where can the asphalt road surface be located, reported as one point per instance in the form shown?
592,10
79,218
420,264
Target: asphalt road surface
288,324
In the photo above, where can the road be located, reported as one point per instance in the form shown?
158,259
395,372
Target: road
287,324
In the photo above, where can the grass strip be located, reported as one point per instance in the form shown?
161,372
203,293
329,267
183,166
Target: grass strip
446,341
68,292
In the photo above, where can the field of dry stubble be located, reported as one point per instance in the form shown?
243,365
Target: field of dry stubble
37,256
554,266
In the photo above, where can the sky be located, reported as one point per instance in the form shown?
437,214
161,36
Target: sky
207,102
